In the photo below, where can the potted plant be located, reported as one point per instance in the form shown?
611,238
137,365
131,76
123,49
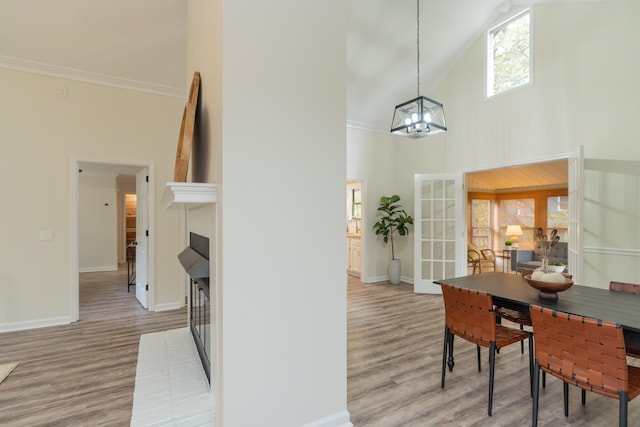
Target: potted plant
507,244
392,218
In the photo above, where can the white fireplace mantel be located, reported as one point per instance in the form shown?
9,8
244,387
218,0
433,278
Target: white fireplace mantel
189,194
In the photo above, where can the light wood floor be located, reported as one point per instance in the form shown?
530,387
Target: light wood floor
394,371
81,374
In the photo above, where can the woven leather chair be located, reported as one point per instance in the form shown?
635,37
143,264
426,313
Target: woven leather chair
584,352
628,288
633,348
520,317
470,315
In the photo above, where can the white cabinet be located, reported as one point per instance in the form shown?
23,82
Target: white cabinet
354,255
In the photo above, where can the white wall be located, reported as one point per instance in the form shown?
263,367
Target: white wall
281,279
584,92
377,159
41,133
612,222
97,225
204,54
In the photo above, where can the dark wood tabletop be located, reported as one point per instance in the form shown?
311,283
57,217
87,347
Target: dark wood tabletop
513,291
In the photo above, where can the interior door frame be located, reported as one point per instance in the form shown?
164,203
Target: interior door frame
576,214
74,231
363,227
574,180
142,237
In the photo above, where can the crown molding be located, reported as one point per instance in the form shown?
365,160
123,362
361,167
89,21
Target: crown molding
89,77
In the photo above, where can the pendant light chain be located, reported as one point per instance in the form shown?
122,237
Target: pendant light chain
421,116
418,43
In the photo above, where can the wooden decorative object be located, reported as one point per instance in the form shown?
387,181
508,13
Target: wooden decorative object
185,138
549,290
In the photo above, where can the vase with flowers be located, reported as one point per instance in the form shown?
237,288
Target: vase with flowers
546,243
544,279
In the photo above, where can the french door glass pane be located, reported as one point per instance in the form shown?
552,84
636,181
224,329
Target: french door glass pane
426,250
426,230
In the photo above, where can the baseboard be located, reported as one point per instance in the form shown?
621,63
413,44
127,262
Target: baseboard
379,279
168,306
427,288
341,419
376,279
97,269
32,324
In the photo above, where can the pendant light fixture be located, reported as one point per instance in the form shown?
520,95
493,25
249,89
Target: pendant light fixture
420,116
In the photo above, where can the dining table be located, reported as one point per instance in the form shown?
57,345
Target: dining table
513,291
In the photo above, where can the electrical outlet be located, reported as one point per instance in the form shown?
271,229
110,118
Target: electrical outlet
46,235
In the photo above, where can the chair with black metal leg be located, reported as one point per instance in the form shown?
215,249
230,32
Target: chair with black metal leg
584,352
470,315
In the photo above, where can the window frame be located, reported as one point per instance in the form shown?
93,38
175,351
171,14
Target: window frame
490,227
489,73
540,217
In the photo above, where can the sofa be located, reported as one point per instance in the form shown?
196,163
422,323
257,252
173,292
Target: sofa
527,258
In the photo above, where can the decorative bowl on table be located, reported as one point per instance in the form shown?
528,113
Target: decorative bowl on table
549,290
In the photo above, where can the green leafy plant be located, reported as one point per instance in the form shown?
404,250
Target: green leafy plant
393,218
508,242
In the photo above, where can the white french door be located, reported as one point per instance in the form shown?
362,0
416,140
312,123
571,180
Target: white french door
142,237
439,230
576,168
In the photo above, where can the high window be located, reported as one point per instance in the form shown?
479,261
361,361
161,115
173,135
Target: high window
509,54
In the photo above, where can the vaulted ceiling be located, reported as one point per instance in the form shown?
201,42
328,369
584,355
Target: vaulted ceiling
141,44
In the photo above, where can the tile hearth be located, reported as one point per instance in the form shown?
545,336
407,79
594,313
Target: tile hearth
171,386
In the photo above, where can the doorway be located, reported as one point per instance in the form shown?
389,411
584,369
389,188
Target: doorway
131,171
526,196
355,228
536,170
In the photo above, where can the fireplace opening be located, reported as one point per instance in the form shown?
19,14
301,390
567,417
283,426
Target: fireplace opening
195,260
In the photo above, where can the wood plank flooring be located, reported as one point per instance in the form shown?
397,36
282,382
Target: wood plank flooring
81,374
394,371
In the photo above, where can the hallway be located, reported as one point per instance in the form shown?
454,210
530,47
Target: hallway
82,373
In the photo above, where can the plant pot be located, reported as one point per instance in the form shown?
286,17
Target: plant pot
394,271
